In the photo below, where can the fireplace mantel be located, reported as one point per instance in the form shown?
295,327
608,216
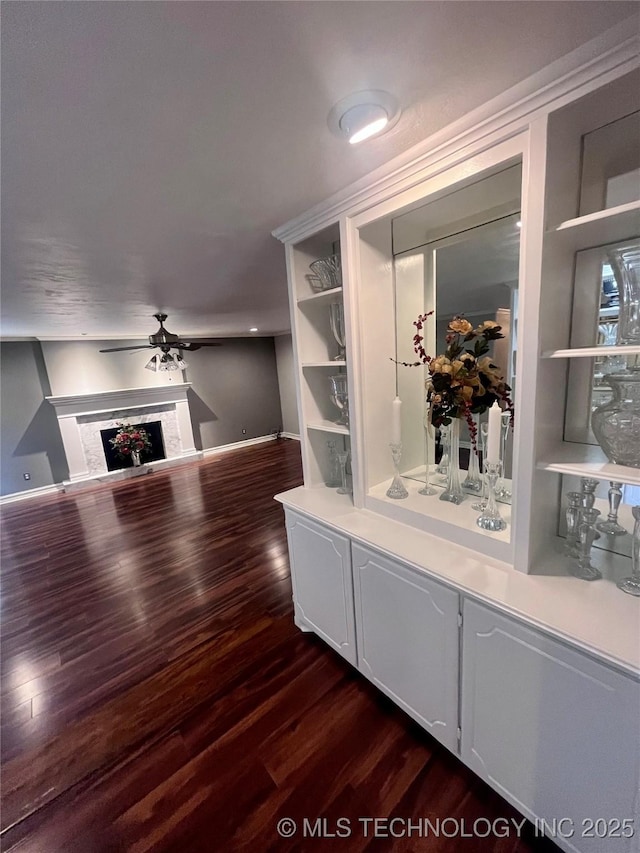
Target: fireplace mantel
71,405
81,416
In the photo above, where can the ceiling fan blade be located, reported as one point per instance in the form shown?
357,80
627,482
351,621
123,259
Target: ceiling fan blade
122,349
194,345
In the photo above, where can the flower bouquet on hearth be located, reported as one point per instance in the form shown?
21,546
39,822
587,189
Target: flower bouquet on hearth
129,442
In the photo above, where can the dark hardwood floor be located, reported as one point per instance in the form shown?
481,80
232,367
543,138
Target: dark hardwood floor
156,695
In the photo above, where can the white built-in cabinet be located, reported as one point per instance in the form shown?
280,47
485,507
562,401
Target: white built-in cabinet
322,586
543,676
553,731
407,634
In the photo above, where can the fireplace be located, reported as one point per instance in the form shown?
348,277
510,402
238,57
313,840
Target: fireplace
83,418
116,462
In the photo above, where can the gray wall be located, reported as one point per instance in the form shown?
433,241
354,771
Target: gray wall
30,440
235,387
287,383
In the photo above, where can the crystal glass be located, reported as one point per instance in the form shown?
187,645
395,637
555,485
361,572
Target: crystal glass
340,397
625,263
426,489
480,505
491,518
334,479
632,583
616,424
336,316
343,458
135,458
397,490
586,534
611,525
473,481
453,490
328,271
573,520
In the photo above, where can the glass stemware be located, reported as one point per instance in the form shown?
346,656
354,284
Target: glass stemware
343,457
340,397
586,535
426,489
336,317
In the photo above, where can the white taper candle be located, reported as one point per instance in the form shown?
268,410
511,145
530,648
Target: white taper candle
396,421
493,434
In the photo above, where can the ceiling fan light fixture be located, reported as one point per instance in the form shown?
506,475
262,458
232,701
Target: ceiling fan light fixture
167,362
153,363
182,364
363,115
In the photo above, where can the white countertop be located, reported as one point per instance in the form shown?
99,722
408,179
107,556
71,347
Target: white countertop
596,617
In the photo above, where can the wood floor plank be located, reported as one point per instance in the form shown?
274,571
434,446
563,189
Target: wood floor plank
157,696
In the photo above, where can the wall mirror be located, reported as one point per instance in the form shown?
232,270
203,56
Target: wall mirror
456,255
606,313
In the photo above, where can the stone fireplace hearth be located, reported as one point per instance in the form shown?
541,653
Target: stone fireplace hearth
81,417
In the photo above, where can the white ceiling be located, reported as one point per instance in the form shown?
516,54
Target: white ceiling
149,149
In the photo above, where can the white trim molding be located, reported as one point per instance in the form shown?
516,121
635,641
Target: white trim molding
237,445
38,492
292,435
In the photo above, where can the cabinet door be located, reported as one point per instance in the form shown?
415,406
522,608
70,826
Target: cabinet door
322,585
407,629
552,730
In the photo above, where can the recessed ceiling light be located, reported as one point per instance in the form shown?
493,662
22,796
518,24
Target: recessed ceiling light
363,115
253,329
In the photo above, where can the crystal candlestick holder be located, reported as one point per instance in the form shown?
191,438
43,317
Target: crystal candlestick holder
573,520
397,490
589,487
426,489
586,535
632,583
343,457
503,492
491,518
611,525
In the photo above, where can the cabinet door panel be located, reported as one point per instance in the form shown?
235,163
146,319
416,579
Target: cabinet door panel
557,733
407,629
322,585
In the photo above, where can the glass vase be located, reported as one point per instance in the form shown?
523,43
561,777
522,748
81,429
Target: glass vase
632,583
616,424
625,263
135,458
473,482
453,490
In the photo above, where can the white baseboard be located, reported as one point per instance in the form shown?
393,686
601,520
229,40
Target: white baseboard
237,445
291,435
31,493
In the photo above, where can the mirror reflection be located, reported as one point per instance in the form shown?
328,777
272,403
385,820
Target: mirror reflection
459,256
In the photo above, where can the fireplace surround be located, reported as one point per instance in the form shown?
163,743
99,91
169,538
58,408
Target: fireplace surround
82,417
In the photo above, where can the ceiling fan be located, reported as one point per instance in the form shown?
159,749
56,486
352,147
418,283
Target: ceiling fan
166,340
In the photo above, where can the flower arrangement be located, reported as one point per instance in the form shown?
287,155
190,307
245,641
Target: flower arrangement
463,381
128,439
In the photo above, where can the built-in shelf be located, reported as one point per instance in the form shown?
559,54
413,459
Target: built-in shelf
334,363
588,460
597,229
591,352
322,296
329,426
